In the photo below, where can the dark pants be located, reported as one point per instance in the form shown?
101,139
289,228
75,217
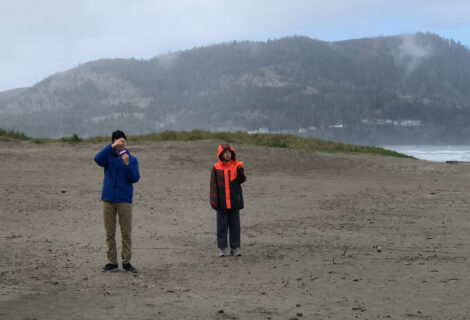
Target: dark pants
228,221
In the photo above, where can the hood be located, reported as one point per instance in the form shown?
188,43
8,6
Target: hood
224,147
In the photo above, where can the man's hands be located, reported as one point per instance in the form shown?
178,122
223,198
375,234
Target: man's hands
119,144
125,158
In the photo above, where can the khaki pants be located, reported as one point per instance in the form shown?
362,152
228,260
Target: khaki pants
124,211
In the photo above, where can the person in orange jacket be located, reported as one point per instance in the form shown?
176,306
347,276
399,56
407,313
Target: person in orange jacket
226,198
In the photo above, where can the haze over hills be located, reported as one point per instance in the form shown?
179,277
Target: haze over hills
8,95
386,90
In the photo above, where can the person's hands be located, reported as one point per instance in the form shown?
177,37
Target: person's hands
119,144
125,158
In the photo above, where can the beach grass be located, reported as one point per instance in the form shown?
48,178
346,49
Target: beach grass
12,134
266,140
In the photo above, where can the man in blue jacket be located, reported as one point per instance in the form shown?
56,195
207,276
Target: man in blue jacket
121,170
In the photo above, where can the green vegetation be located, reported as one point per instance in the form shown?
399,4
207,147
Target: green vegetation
265,140
13,135
73,139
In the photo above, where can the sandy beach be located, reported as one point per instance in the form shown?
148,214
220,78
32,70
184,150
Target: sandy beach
324,236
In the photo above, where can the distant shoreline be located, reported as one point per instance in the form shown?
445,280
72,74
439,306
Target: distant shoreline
437,153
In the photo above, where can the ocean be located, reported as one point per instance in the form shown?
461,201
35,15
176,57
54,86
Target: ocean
434,153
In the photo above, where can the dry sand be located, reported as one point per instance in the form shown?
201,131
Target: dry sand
310,232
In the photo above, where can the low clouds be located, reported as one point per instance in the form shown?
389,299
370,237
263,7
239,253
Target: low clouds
39,38
411,53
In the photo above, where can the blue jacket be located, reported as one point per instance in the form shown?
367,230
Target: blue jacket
118,178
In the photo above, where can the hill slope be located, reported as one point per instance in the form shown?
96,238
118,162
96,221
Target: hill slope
6,96
401,89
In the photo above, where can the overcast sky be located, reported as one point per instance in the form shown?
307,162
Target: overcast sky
41,37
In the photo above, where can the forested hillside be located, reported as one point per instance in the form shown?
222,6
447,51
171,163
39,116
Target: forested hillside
387,90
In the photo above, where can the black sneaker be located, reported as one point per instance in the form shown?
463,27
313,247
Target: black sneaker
110,268
129,268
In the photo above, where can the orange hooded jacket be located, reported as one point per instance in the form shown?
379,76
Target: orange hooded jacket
226,177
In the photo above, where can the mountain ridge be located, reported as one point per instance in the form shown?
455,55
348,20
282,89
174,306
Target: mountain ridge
368,91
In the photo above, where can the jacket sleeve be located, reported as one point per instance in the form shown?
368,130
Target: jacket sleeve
101,157
132,171
241,177
214,197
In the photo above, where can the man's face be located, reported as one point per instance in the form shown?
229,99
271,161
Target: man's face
227,155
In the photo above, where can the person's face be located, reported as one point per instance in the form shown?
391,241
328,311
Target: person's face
227,155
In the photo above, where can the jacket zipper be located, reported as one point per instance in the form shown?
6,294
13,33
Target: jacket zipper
115,180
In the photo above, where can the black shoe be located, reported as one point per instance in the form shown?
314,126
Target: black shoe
110,268
129,268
